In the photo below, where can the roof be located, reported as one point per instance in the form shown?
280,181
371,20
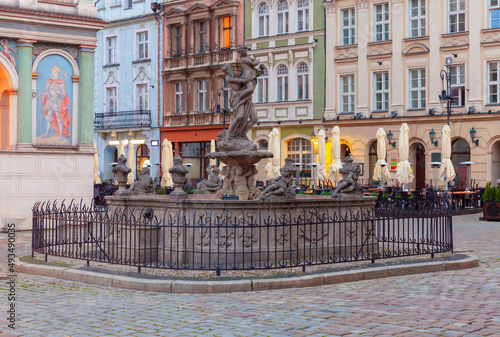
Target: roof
49,14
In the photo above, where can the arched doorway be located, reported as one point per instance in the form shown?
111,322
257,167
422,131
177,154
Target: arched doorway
495,162
372,159
5,122
8,86
142,154
417,158
110,156
460,152
300,150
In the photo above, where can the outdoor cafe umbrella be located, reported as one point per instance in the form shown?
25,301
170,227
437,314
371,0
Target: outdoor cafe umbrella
212,149
130,163
273,166
404,173
97,179
167,161
446,172
321,168
336,164
381,172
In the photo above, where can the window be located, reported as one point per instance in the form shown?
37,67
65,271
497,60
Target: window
178,97
264,19
456,16
226,95
111,47
300,151
127,4
457,82
282,94
262,83
417,18
494,13
417,89
202,36
347,93
202,96
348,27
142,96
112,96
227,26
302,81
493,82
142,45
382,22
177,47
381,91
302,15
282,17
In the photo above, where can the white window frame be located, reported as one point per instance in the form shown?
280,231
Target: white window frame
301,149
303,12
202,95
178,97
381,26
127,4
347,97
263,24
177,43
458,72
381,91
142,96
144,44
282,83
348,30
419,89
302,81
111,101
456,14
202,36
494,6
494,83
262,86
419,18
282,17
111,54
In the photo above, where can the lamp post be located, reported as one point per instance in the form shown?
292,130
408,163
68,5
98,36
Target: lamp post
446,87
224,110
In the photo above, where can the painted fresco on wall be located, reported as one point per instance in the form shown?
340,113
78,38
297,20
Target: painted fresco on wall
39,48
54,101
8,49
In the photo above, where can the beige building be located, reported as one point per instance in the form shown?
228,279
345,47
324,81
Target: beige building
384,61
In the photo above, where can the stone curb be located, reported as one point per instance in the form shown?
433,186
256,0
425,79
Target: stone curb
184,286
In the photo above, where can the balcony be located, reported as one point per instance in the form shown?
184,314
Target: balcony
122,120
205,118
201,60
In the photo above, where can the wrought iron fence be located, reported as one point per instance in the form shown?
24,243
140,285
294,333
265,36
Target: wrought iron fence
232,239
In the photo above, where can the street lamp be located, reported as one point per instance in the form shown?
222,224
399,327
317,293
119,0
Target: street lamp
224,110
446,89
389,136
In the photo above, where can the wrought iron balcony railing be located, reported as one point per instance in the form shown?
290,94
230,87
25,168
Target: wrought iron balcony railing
122,119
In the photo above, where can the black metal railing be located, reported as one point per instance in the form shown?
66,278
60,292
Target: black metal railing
218,240
122,119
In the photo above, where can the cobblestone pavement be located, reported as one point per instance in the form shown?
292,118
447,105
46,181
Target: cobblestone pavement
458,303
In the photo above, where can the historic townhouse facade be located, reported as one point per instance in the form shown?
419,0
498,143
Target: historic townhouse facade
287,37
200,37
46,104
383,65
128,86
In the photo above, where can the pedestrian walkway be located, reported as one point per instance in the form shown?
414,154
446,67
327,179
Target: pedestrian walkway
451,303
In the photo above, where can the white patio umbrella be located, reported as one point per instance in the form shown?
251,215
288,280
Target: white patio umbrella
381,172
167,161
212,149
97,179
404,173
336,164
321,168
273,166
130,163
446,171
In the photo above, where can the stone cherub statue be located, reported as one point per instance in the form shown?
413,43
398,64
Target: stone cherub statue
178,172
282,185
349,183
145,184
121,170
213,183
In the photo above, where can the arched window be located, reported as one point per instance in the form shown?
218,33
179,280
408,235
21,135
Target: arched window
302,81
282,81
282,17
460,152
262,83
263,144
302,15
300,150
142,154
264,19
372,159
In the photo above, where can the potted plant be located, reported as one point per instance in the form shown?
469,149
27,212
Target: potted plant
491,202
305,173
